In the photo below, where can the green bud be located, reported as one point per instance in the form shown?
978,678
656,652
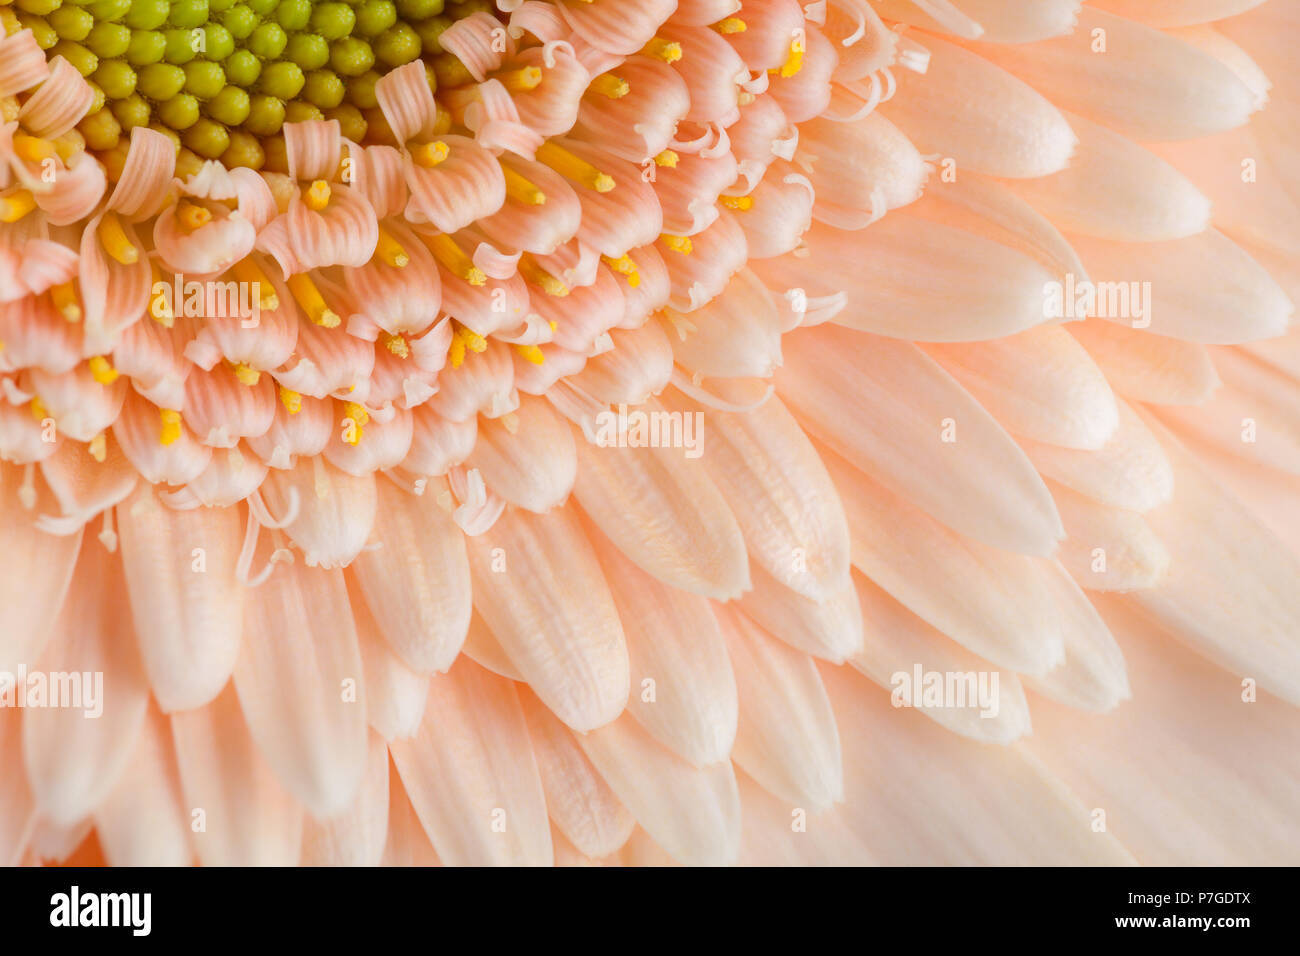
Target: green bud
351,56
333,21
71,23
283,80
242,68
265,115
147,14
323,88
161,81
207,138
293,14
188,14
309,51
204,79
179,112
146,46
268,41
108,40
230,106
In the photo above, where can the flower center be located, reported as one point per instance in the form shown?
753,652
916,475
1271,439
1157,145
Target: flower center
222,77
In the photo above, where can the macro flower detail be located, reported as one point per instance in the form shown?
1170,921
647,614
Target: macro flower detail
584,431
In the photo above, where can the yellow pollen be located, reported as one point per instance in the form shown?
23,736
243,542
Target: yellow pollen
115,242
247,375
607,84
98,447
456,352
571,167
397,345
65,300
101,370
539,277
453,258
473,341
429,155
171,426
389,250
247,271
667,158
678,244
192,216
15,206
521,190
737,202
731,25
359,417
317,195
39,411
531,353
9,108
33,149
662,49
793,63
624,265
291,400
306,294
521,80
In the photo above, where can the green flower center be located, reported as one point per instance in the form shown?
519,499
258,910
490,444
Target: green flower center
222,77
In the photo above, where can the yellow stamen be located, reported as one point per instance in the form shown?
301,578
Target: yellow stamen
794,62
521,80
429,155
192,216
247,271
65,300
98,447
521,190
662,49
678,244
33,149
453,258
531,353
246,374
171,426
101,370
737,202
397,345
291,400
456,353
624,266
473,341
607,84
14,207
539,277
317,195
731,25
115,241
39,411
571,167
306,294
667,158
389,250
359,417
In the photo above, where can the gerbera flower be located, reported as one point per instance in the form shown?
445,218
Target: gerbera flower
608,431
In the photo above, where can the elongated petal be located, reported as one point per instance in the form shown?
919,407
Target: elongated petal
545,600
694,814
356,836
471,774
892,411
239,814
299,683
787,739
185,598
577,798
76,747
416,584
